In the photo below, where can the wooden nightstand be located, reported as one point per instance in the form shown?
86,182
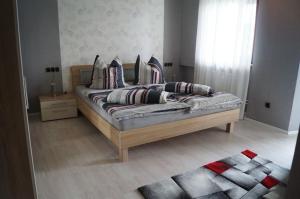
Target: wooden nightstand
59,107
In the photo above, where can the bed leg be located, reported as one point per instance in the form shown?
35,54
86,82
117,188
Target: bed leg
229,127
123,155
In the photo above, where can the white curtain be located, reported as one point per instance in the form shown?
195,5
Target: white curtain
224,45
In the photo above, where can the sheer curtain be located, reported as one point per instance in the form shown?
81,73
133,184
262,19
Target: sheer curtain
224,45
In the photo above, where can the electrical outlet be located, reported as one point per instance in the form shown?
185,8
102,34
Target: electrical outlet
52,69
48,70
268,104
168,64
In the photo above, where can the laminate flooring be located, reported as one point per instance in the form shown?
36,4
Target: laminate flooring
74,161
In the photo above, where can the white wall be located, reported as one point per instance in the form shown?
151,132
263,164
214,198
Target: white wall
111,28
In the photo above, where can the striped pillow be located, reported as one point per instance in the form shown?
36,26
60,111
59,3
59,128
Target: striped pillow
113,75
189,88
154,62
150,73
137,96
108,76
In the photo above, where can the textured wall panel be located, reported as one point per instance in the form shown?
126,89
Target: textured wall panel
112,28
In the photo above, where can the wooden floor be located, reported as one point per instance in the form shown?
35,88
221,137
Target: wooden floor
73,161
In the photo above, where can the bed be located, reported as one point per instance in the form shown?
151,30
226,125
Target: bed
128,132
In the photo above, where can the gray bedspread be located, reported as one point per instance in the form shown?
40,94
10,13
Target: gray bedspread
136,116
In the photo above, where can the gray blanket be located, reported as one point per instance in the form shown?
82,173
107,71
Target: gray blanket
175,102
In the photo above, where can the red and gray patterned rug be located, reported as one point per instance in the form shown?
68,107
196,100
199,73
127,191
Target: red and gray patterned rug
245,175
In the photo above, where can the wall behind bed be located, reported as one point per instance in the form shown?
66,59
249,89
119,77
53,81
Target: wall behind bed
111,28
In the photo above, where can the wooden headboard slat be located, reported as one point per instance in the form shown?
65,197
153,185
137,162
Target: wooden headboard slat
75,72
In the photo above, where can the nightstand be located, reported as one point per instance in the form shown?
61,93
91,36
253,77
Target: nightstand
58,107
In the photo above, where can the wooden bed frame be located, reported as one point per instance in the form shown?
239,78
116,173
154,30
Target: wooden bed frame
134,137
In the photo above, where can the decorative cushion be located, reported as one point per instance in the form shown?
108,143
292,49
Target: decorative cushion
97,74
136,70
189,88
93,70
150,73
154,62
108,76
113,75
137,96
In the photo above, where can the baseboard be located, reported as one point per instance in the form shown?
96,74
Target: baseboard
272,127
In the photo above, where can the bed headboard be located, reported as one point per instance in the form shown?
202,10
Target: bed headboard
75,73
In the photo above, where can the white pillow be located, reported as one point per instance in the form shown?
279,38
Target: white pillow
97,82
114,75
149,74
108,76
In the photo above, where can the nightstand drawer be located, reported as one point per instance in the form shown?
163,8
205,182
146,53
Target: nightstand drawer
58,104
58,113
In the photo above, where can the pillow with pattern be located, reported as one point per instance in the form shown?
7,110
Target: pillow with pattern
108,76
113,75
149,73
155,63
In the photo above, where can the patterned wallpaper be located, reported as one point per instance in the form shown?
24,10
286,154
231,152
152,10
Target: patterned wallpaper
112,28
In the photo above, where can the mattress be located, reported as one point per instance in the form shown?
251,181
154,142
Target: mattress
125,124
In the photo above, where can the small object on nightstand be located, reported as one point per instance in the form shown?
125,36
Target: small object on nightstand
58,107
53,89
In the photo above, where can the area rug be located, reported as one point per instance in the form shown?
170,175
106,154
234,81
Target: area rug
245,175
